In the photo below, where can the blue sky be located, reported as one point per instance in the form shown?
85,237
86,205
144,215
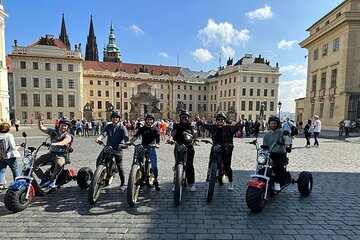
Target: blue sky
197,31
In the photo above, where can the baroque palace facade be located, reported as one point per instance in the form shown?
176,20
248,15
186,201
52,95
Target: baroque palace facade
47,76
333,76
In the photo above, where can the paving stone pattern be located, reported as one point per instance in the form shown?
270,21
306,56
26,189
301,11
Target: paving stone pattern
331,211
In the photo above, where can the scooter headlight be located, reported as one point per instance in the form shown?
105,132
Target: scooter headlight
108,150
261,159
26,160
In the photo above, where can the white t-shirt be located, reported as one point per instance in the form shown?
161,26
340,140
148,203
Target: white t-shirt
10,145
317,126
347,123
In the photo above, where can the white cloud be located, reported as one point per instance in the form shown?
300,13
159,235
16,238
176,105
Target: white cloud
295,69
271,55
137,30
283,44
260,14
222,34
163,54
202,55
228,51
289,91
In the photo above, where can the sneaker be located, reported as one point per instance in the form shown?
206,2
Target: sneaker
44,183
156,185
192,188
2,186
277,187
52,184
122,187
231,186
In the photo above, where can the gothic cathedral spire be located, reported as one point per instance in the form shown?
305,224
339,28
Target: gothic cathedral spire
63,35
91,53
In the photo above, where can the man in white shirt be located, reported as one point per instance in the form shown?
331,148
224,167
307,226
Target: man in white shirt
347,125
317,129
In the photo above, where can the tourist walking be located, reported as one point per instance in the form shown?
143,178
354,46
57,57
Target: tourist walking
317,130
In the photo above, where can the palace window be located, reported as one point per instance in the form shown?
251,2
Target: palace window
36,82
59,83
35,65
60,100
22,64
323,80
336,44
325,50
71,84
59,67
333,78
313,84
70,67
23,82
36,100
48,100
71,100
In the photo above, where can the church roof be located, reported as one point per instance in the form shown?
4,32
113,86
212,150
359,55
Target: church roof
187,73
131,68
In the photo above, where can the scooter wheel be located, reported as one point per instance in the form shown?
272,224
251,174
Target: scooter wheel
255,198
305,183
15,200
84,177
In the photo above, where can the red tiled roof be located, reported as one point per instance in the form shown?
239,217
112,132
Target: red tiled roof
131,68
58,43
9,64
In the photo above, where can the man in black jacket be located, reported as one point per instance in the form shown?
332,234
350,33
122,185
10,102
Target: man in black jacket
184,126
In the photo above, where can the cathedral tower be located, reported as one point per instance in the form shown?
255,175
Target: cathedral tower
111,51
63,35
91,53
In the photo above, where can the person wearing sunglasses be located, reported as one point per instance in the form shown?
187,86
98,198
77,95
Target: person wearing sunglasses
223,134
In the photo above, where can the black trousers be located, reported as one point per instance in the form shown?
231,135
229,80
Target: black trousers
118,155
190,171
278,167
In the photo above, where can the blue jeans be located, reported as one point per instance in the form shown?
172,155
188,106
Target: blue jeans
12,163
316,134
153,159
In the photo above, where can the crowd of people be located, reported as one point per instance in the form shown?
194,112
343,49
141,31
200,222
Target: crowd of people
152,132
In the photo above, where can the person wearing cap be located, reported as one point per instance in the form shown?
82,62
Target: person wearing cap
178,136
117,135
150,139
61,139
223,134
317,130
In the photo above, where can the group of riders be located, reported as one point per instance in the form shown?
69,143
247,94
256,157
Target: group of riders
116,133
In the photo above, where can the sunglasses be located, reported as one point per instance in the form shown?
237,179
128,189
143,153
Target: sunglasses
220,119
184,117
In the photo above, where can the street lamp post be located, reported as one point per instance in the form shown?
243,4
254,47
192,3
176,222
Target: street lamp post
279,106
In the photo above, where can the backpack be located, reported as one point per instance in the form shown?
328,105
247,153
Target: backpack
3,151
294,131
